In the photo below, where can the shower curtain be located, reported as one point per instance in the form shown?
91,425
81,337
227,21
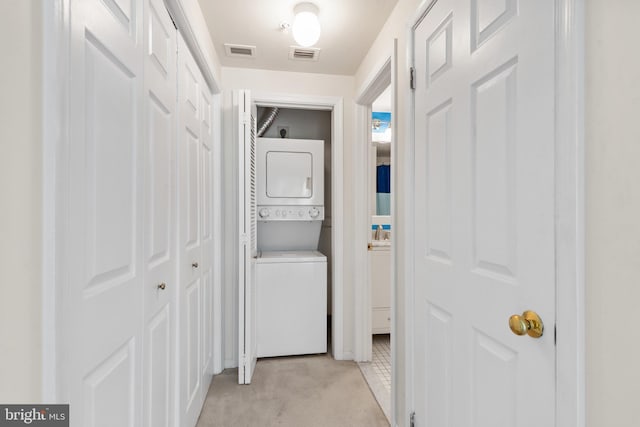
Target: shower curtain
383,190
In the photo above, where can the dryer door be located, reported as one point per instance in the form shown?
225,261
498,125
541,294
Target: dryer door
289,174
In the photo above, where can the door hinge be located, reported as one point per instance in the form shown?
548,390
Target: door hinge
412,419
246,118
412,78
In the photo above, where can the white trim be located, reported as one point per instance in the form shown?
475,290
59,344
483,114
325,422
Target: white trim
395,366
362,346
409,239
376,82
54,116
570,211
335,104
570,232
218,295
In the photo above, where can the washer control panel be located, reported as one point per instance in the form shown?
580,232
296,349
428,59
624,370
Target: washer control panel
290,213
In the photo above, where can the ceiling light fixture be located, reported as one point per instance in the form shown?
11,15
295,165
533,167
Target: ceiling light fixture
306,26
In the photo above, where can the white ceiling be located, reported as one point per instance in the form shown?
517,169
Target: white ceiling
349,27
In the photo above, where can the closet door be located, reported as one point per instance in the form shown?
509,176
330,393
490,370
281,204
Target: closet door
195,234
245,137
160,286
102,291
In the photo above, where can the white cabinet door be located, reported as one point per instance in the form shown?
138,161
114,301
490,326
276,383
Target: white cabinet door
190,212
102,295
380,263
245,138
484,213
159,226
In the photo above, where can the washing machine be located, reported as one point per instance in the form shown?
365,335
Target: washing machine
291,303
291,275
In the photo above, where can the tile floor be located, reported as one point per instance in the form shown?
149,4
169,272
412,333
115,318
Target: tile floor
378,372
382,359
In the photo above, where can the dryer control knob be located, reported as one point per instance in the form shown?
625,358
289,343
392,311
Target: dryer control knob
264,212
284,213
300,213
314,212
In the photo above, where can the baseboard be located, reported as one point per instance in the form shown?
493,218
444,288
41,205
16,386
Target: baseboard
230,363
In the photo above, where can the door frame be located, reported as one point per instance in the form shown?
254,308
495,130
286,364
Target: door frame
55,178
335,105
569,206
380,79
382,76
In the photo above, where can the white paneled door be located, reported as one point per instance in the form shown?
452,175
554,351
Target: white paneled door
137,251
159,226
484,213
102,296
195,239
189,235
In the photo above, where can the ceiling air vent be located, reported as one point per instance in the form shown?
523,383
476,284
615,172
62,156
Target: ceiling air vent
304,53
240,50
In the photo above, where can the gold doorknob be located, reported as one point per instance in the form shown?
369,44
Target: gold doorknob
527,324
194,265
162,286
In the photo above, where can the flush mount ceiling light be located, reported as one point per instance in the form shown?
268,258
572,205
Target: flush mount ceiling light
306,26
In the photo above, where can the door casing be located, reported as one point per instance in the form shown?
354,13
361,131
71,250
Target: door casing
335,105
569,200
382,76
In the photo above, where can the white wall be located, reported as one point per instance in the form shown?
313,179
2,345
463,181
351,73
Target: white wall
613,212
21,207
282,83
396,27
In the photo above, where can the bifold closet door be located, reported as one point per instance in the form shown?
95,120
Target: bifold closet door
195,136
102,290
160,284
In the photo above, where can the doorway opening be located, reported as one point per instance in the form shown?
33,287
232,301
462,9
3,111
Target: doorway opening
323,117
374,255
300,126
377,371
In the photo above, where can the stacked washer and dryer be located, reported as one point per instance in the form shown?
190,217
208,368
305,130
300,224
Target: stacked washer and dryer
291,275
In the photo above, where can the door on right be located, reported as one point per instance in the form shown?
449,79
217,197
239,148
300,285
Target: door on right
484,228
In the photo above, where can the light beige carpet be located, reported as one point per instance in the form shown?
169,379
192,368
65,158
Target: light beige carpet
306,391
